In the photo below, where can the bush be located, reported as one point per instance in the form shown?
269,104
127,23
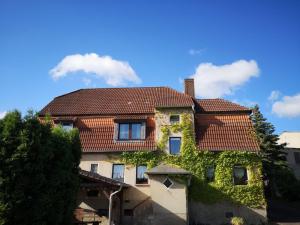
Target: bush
38,172
237,221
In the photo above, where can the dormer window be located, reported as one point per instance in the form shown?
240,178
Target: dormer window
67,125
174,119
130,131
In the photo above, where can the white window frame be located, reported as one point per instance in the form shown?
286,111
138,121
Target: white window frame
174,115
167,178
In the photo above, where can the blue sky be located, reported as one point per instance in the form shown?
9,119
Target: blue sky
238,50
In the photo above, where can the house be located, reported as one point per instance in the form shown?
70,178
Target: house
144,122
292,148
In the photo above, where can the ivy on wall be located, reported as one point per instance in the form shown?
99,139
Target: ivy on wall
197,162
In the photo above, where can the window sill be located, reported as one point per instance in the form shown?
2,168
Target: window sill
142,185
129,140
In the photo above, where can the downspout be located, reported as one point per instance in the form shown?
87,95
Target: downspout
110,204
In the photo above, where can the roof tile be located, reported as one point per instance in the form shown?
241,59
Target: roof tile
217,132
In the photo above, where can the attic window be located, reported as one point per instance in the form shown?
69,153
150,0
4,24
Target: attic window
168,183
125,131
67,125
174,119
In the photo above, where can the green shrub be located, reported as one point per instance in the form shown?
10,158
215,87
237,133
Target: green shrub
237,221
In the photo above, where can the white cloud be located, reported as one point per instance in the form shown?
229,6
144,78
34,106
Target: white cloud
114,72
86,81
274,96
2,114
288,106
196,51
245,102
212,81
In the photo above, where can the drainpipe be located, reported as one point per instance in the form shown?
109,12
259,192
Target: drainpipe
110,205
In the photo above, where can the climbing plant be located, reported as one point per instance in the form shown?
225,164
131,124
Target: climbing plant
197,162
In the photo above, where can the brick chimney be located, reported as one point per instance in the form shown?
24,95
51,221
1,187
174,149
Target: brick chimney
189,87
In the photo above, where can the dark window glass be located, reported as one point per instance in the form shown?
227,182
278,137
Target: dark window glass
168,183
124,131
130,131
240,175
210,173
141,177
94,168
118,172
297,157
136,131
174,119
175,143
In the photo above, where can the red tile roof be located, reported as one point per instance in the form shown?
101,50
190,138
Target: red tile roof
97,135
218,105
220,124
112,101
217,132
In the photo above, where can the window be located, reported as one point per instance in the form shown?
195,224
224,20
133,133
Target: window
210,173
240,175
94,168
130,131
168,183
118,172
124,131
141,177
67,126
174,119
297,157
175,143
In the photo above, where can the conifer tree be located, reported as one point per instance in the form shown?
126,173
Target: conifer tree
281,179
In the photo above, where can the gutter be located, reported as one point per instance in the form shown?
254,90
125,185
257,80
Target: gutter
110,204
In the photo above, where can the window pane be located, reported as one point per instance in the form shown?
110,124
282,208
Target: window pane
141,177
94,168
118,172
67,126
124,131
240,175
174,119
175,143
136,131
210,173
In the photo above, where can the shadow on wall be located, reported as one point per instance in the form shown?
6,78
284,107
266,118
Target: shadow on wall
280,211
222,212
145,211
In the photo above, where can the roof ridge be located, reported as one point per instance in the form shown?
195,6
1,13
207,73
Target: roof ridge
144,87
78,90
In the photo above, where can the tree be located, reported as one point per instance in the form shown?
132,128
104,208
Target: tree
38,171
271,151
281,179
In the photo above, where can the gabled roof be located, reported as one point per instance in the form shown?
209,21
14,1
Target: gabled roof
218,105
113,101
